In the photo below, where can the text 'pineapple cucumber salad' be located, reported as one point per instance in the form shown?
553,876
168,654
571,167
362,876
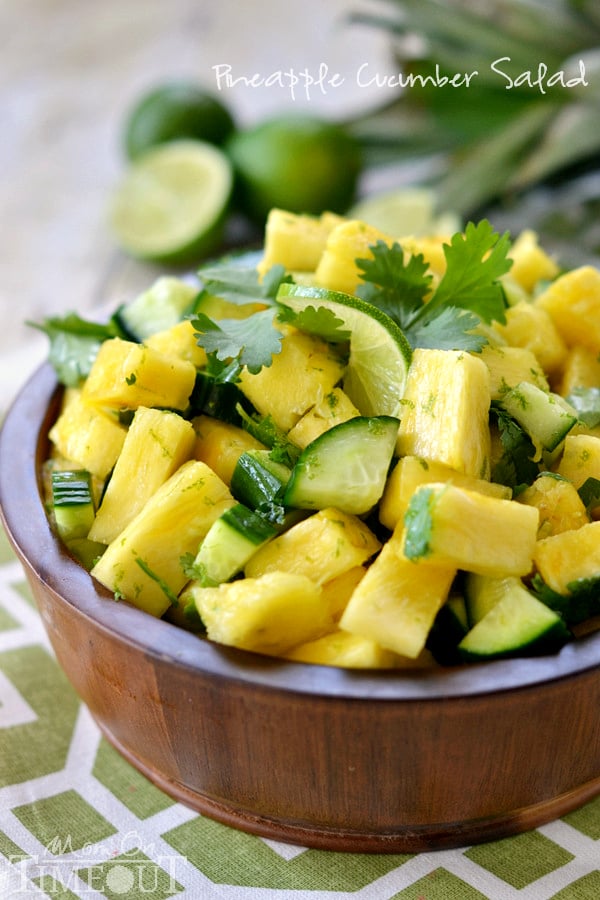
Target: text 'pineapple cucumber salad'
353,449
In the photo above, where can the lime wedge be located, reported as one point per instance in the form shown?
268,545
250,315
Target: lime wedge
171,205
406,211
379,352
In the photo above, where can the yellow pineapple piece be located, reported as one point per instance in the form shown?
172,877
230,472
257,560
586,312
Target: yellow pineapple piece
412,471
322,546
351,240
397,601
337,591
158,442
142,564
220,445
581,369
330,410
270,614
432,250
453,526
87,436
568,556
347,651
531,263
304,370
580,459
509,366
445,411
573,304
179,341
127,375
561,508
295,240
530,326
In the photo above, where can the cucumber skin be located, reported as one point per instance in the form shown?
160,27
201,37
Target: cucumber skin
320,479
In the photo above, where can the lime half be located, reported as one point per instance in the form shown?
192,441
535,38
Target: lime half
172,203
406,211
379,352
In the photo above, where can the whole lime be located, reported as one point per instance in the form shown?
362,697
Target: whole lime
299,163
173,111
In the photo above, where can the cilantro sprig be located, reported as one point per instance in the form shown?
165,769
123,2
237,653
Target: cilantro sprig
446,316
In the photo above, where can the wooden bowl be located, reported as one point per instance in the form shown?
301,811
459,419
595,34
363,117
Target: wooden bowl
321,757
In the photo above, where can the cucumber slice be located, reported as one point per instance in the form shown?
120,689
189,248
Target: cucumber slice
230,542
483,592
517,625
346,467
545,417
73,503
259,483
220,399
163,305
449,628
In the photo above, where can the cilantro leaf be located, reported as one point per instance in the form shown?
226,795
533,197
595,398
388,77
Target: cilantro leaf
74,344
241,285
401,288
448,329
475,261
516,467
397,287
580,603
252,341
418,522
320,321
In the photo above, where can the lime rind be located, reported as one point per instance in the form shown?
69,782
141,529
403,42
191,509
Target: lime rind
172,203
380,354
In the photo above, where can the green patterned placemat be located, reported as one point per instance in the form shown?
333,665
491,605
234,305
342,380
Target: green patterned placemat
77,821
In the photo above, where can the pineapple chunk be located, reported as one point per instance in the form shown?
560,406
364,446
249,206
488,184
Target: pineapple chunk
304,370
347,242
580,459
396,602
412,471
179,341
337,591
347,651
445,411
296,241
330,410
157,444
509,366
566,557
142,564
87,436
528,325
449,525
322,546
581,369
530,262
220,445
561,508
573,304
127,375
270,614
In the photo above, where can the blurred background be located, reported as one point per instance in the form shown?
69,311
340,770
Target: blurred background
520,143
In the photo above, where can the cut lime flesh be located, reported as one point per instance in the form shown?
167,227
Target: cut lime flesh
172,202
379,352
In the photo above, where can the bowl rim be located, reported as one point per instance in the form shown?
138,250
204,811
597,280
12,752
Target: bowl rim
23,442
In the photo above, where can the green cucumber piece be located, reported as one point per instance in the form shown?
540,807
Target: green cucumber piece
546,417
345,467
230,542
448,629
259,483
518,624
483,592
72,503
164,304
220,399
